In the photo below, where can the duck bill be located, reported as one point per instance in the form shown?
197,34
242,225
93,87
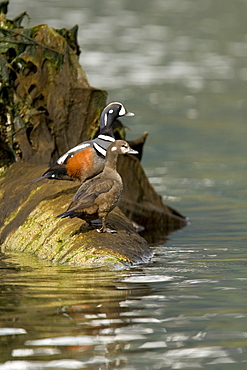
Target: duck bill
129,114
132,151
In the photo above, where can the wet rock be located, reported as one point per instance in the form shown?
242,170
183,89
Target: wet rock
29,224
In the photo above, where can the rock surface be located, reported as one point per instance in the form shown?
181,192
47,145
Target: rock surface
29,224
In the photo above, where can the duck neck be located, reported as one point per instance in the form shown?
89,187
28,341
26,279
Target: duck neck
107,131
106,122
111,161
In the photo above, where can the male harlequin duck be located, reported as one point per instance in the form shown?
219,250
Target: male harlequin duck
97,196
87,159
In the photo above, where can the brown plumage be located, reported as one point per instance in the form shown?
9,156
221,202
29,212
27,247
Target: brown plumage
96,197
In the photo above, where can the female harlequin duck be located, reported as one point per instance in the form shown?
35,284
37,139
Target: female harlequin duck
87,159
96,197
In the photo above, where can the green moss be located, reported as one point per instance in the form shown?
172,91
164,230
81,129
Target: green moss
27,59
7,220
3,171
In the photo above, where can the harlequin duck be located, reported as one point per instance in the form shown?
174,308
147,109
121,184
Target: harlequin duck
87,159
97,196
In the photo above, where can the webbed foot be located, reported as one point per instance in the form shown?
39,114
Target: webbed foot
106,230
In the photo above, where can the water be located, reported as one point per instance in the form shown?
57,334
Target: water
181,67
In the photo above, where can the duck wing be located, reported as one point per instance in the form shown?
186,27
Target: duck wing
58,170
88,192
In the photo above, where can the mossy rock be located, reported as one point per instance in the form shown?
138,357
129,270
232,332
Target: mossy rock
29,224
45,97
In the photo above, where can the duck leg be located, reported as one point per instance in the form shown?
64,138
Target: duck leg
104,229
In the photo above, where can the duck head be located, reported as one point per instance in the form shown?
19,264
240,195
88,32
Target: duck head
121,147
109,114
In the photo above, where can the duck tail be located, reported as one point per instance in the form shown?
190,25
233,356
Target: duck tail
66,214
38,179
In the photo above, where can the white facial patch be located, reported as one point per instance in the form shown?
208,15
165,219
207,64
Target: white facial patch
113,148
111,111
122,111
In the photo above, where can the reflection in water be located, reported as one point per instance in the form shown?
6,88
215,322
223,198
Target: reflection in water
161,314
181,66
81,313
